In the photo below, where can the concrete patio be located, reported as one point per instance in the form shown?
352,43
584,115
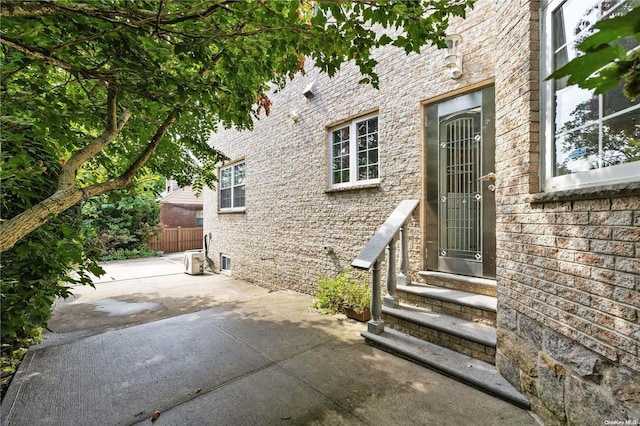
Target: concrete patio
212,350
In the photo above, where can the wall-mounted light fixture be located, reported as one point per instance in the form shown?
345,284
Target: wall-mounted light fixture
293,115
453,60
308,91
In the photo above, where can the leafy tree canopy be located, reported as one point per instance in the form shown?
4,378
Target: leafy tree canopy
606,61
120,87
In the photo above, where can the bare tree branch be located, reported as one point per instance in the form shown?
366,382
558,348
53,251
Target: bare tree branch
31,219
153,143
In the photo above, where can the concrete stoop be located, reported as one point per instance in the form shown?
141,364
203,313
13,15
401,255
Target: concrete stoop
448,324
455,303
478,374
474,285
467,337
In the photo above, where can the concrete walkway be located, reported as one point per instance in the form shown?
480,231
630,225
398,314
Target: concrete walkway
211,350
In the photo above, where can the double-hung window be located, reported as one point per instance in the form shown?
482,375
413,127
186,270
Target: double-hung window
588,139
353,152
232,187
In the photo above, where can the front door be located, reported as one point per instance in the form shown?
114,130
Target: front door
460,225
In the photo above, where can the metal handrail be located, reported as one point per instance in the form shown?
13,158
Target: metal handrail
383,236
371,256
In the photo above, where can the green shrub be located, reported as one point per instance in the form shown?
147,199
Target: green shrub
42,265
121,224
10,360
333,295
120,254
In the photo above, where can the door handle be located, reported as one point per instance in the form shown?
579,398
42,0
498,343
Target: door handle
489,176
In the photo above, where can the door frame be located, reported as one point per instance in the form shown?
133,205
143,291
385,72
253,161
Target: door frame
430,160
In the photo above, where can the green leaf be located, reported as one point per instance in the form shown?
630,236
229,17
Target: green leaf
605,62
582,67
191,66
613,29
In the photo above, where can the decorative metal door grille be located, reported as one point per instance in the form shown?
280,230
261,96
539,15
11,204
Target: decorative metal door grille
460,199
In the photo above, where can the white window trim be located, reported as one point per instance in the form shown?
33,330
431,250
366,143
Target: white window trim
353,156
232,209
621,173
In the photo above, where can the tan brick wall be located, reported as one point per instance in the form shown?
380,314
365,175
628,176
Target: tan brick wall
290,215
446,340
568,269
450,309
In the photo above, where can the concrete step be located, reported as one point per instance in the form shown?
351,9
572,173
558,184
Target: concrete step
466,337
473,372
460,304
476,285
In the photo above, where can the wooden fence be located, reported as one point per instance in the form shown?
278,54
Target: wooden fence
170,240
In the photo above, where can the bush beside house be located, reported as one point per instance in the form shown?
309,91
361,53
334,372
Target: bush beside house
37,269
120,225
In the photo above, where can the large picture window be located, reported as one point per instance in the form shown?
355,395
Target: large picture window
353,149
232,187
589,139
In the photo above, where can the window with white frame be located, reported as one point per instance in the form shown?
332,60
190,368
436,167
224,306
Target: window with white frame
232,187
588,139
353,152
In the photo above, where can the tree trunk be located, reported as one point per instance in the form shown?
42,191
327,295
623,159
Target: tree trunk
67,196
31,219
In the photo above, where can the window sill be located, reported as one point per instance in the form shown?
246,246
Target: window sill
235,210
595,192
353,188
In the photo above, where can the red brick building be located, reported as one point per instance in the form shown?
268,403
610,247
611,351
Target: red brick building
181,209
